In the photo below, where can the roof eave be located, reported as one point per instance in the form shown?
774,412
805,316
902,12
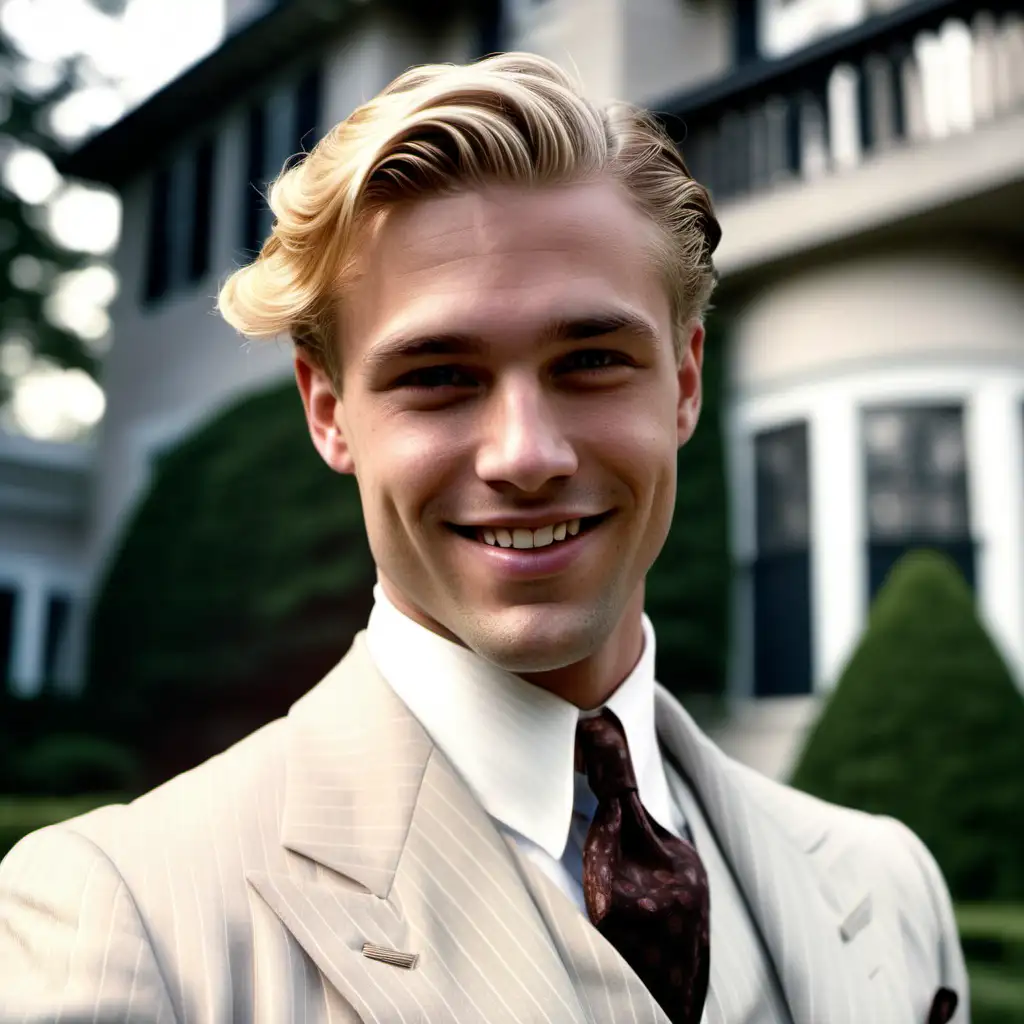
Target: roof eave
117,154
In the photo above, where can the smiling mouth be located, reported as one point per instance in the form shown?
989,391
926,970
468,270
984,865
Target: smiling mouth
522,538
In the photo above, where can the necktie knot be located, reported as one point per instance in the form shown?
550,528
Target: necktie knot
604,755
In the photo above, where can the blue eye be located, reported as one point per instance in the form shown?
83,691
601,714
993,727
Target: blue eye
437,377
593,359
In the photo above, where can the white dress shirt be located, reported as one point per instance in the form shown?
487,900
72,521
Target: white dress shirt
513,745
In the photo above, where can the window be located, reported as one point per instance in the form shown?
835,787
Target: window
782,569
308,110
180,222
158,256
202,212
279,126
490,27
745,31
255,169
916,467
58,612
8,607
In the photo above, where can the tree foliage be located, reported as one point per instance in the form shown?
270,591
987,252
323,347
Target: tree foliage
30,258
927,725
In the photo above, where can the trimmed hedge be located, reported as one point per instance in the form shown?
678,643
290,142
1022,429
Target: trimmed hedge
688,586
927,725
241,579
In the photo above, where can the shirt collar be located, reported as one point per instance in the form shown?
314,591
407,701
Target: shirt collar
511,741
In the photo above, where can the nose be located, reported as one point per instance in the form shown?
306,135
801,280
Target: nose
524,444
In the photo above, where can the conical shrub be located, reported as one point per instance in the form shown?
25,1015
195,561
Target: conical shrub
927,725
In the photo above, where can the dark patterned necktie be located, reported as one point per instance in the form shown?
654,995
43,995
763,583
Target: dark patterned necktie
646,891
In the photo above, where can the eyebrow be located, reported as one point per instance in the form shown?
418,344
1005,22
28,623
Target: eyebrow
595,325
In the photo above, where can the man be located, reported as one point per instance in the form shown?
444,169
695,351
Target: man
488,811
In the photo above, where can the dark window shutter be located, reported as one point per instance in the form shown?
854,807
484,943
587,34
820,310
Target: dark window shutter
745,44
58,612
782,569
202,210
158,255
255,185
308,110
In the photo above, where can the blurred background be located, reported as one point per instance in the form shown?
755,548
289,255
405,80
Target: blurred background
841,599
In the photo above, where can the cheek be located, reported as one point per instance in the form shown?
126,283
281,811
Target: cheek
402,469
641,443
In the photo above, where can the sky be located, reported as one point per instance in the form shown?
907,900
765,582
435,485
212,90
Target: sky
129,58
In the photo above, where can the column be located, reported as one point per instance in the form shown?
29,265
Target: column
29,634
995,452
838,569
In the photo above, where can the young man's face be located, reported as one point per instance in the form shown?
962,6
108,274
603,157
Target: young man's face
508,371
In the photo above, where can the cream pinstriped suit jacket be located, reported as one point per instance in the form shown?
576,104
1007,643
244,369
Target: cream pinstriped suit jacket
245,889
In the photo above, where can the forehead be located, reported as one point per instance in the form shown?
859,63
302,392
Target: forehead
501,262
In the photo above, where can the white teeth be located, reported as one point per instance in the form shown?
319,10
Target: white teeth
543,537
524,539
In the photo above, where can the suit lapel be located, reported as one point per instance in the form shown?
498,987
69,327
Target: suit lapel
396,852
827,974
609,990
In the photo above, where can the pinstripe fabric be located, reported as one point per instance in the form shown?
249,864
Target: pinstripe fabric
244,891
803,866
742,988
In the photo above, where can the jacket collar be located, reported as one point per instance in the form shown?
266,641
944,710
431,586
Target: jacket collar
394,851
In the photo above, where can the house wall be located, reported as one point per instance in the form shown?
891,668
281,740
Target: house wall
237,12
624,50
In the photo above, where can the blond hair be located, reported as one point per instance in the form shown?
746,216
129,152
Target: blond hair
512,118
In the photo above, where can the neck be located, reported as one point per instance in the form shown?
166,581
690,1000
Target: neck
589,683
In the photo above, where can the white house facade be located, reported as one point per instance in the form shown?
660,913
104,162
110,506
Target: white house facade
867,161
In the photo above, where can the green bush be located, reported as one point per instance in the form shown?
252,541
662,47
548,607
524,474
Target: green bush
927,725
688,586
66,764
240,580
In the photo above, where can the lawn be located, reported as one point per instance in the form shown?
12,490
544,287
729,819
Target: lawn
993,940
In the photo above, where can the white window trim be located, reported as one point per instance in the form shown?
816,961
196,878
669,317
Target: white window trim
992,397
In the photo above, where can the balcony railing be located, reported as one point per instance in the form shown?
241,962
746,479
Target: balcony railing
929,69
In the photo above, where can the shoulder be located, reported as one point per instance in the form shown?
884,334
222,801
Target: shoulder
231,791
194,836
859,851
886,847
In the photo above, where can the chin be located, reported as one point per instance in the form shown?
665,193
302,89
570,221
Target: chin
542,639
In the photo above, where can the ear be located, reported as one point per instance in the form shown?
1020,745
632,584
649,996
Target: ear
690,390
323,410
